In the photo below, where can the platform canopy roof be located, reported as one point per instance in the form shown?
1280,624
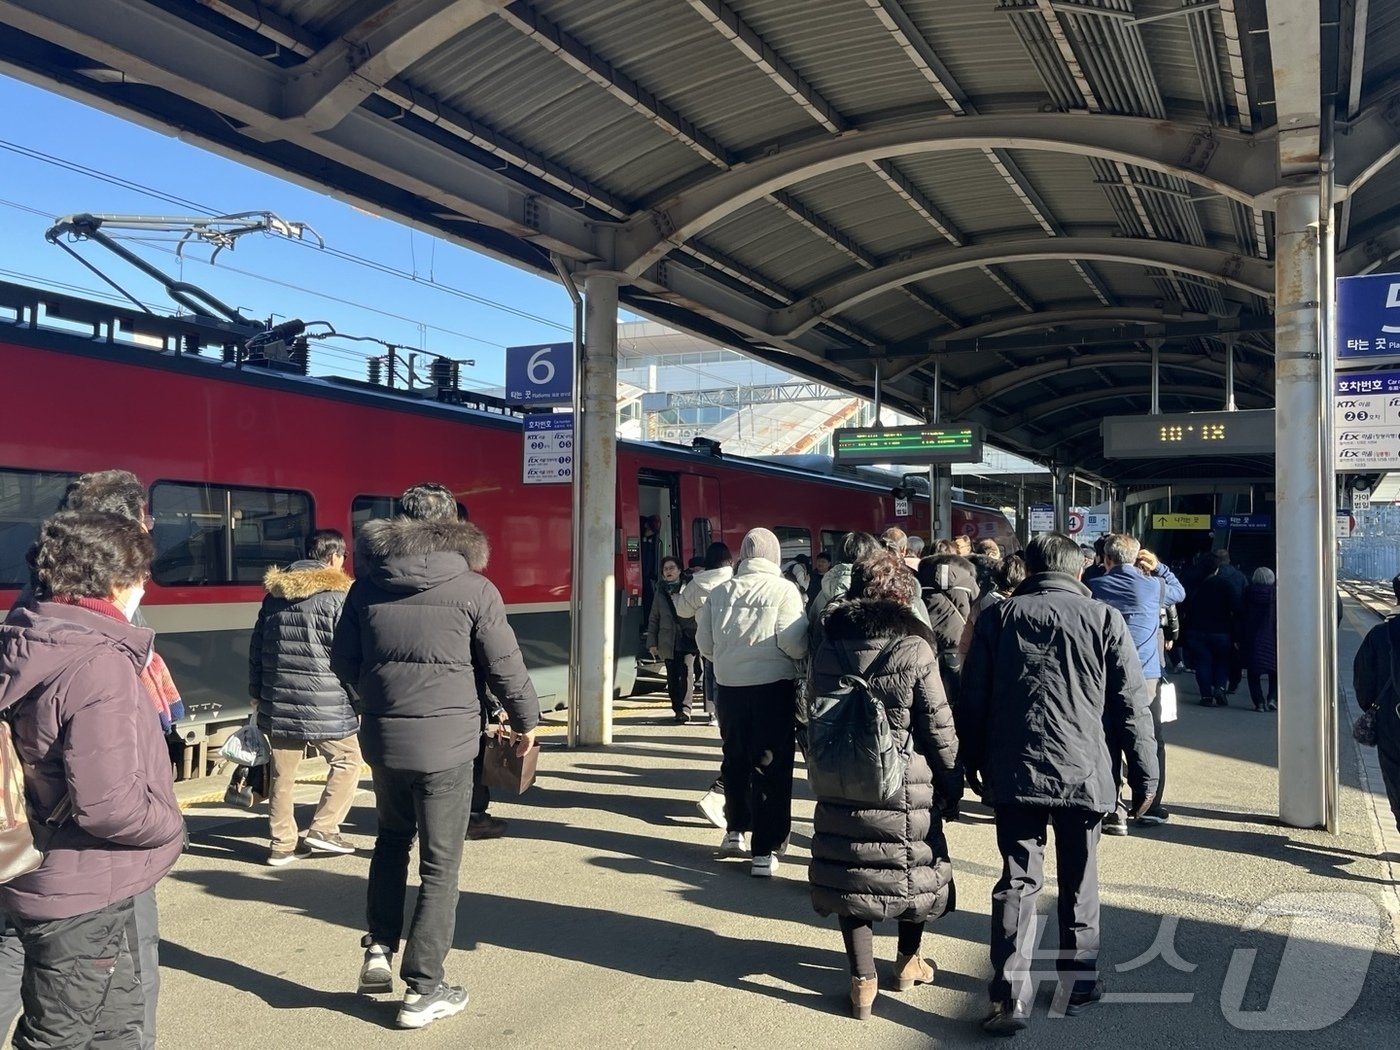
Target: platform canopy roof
1006,199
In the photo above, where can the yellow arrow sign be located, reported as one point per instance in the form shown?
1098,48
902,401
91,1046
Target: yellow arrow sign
1181,521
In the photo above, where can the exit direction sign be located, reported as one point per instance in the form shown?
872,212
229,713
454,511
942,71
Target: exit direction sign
1181,522
1366,422
1368,318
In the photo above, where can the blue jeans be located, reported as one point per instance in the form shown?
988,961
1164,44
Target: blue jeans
434,807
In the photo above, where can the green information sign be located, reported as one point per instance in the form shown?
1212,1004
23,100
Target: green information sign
909,445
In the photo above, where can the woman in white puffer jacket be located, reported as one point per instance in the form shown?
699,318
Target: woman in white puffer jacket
754,631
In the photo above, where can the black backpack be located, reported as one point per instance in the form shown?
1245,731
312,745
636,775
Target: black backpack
851,752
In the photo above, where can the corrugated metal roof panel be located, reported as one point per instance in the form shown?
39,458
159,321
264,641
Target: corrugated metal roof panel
1066,182
1382,49
768,240
892,316
562,115
969,294
324,17
975,41
970,192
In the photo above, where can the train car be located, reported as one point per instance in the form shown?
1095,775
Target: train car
243,463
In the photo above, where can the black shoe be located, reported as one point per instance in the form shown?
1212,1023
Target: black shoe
1115,823
1221,699
1007,1018
1081,1001
1272,705
1153,818
484,826
682,718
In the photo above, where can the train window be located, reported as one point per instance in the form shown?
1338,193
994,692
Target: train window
832,542
700,535
367,508
213,534
27,497
793,541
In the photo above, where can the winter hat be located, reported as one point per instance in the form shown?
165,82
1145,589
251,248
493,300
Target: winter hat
761,543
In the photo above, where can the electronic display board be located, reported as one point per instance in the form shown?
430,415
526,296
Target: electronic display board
1245,433
909,445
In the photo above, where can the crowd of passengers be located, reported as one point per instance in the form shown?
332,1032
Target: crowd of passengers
1032,679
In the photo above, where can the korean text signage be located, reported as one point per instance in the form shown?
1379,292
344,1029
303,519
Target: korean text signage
1241,522
1368,317
1042,517
549,449
541,375
1181,521
1366,421
909,445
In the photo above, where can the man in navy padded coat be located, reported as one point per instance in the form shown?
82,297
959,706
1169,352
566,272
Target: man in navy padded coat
1048,670
420,624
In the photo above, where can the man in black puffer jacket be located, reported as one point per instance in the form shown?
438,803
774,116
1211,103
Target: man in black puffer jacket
419,623
299,700
1048,670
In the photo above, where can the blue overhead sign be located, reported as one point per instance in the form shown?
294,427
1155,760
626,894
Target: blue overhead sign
1368,317
540,375
1241,522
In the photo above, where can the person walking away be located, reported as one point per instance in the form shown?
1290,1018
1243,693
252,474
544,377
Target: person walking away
949,587
1259,651
97,778
671,638
1215,610
754,630
419,622
1141,599
837,580
1009,574
1049,669
1373,677
891,860
300,702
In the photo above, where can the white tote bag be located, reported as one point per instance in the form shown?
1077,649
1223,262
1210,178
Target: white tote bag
1166,697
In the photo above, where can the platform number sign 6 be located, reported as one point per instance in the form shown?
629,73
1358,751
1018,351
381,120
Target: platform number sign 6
540,375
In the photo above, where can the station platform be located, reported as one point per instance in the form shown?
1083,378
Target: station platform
603,918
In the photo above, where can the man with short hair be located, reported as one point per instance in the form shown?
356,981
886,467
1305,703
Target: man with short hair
1049,668
915,551
420,625
300,703
895,539
962,544
1141,599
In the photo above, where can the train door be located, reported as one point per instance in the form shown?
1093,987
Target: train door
658,512
701,520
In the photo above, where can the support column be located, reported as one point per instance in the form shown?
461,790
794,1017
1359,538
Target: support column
1302,535
595,592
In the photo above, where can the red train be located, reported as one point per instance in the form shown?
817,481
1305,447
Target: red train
244,462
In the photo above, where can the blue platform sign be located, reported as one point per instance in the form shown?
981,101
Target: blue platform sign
1368,317
540,375
1242,522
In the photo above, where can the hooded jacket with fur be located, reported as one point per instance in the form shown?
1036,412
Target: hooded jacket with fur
289,655
85,727
888,861
420,625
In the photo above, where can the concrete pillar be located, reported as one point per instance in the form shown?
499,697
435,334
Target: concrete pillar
940,482
1060,478
1301,532
595,530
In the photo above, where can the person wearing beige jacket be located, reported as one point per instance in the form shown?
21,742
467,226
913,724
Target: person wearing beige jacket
754,631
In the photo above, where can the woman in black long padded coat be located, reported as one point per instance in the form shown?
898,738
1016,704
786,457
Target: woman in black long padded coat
888,861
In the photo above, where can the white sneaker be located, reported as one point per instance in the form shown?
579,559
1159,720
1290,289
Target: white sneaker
732,845
764,867
712,805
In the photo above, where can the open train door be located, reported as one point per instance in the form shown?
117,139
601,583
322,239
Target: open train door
700,514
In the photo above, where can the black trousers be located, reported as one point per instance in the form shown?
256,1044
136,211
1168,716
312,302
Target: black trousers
1116,748
680,681
434,807
858,935
80,986
1021,838
758,724
1390,774
1256,687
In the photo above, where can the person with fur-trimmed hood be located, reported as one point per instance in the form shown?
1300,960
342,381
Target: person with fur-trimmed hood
299,700
420,624
887,861
949,584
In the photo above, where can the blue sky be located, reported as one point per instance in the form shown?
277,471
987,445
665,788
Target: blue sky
425,309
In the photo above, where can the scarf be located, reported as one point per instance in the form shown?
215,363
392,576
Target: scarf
155,676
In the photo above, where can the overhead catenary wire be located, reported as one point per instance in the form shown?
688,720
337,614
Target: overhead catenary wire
351,257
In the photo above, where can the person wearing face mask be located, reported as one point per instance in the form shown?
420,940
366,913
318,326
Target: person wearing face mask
671,637
117,492
97,777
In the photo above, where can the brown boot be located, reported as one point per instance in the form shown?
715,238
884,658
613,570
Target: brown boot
910,970
863,992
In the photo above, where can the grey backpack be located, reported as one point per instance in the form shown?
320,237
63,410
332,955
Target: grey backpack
852,756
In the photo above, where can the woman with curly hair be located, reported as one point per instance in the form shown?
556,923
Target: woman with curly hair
890,860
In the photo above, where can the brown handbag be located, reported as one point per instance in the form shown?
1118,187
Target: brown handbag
18,856
502,768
